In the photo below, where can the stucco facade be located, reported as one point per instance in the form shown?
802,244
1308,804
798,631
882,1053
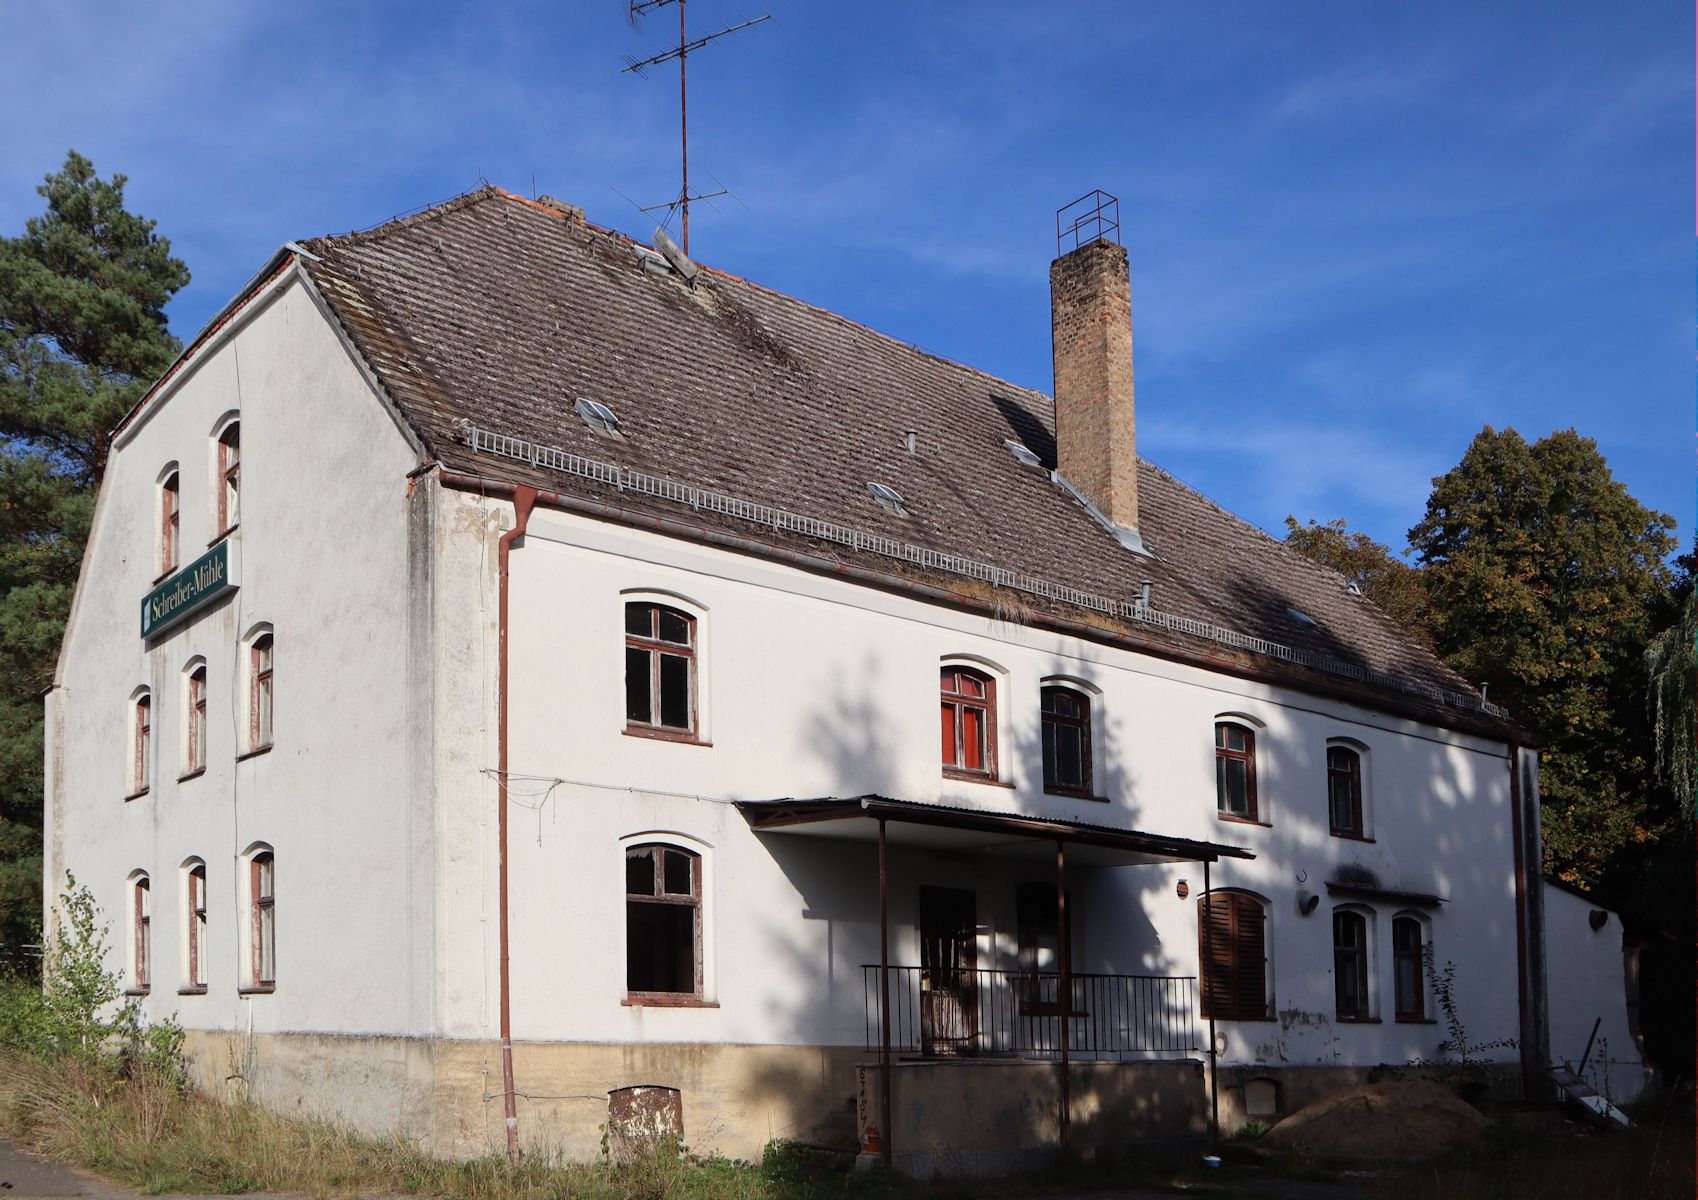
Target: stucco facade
376,572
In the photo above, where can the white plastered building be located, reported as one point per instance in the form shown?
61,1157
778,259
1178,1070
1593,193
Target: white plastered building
533,700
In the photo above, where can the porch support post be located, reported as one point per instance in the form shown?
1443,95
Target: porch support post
1214,1066
1065,999
884,993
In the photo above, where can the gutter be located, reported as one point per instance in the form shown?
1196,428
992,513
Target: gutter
902,585
524,499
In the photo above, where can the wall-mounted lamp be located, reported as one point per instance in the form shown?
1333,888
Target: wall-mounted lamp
1307,903
1597,918
1183,890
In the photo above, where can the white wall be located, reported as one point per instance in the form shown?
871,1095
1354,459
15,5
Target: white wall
813,686
324,550
1586,975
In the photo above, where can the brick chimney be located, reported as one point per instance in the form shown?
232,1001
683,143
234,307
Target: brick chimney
1091,337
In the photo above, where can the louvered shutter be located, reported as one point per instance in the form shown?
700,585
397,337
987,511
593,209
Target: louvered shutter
1232,957
1214,954
1250,953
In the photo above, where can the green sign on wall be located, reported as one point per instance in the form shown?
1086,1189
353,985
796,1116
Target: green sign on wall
194,587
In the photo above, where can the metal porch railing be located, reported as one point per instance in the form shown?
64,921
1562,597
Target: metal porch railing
972,1012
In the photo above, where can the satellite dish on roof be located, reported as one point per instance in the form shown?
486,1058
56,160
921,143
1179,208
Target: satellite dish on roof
679,260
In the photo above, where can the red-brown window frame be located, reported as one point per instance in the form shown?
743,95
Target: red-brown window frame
1240,907
1082,723
1352,773
196,911
660,849
261,665
196,749
1248,757
229,478
954,702
143,744
1413,955
170,522
142,907
1351,959
653,646
262,916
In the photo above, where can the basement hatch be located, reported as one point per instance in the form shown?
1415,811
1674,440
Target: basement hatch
598,417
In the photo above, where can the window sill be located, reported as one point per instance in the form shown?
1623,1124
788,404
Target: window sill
975,777
220,537
1234,820
1075,794
258,989
137,795
141,991
254,753
1352,837
1242,1020
666,1000
1402,1020
194,774
682,737
1357,1020
192,991
164,575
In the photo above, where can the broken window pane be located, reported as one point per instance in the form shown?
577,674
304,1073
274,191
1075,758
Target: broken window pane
637,699
674,691
680,874
639,872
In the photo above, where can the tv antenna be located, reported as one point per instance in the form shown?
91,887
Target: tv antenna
681,52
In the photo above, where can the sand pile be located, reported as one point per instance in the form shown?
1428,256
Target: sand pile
1395,1119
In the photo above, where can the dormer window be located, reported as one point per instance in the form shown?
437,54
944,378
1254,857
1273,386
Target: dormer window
229,477
888,498
598,417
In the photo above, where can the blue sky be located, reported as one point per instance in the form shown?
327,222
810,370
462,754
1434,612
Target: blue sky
1358,231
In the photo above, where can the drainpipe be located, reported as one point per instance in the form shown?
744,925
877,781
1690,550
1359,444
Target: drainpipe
1214,1063
1520,918
1064,998
524,498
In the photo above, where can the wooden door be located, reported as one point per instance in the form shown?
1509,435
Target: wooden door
949,953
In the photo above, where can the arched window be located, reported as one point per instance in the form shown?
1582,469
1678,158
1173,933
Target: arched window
663,922
1232,954
259,693
660,671
262,926
1235,771
1408,943
1344,791
1067,741
194,912
170,522
141,927
229,477
141,743
194,727
969,723
1350,964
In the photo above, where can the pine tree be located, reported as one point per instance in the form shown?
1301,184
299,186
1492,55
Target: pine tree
1543,578
82,333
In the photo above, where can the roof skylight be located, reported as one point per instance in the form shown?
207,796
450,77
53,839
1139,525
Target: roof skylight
598,416
1023,453
1302,618
888,497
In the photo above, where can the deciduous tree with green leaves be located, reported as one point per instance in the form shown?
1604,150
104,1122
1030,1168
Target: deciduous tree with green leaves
1543,576
1377,573
82,332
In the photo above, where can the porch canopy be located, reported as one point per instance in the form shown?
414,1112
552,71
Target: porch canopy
909,823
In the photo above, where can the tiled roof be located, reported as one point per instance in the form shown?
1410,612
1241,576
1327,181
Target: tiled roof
502,311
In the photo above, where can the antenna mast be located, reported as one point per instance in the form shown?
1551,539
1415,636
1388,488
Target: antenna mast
681,52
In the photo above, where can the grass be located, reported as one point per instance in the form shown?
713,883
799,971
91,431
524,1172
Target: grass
152,1136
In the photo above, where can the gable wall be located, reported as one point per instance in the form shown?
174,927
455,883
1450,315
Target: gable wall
324,546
